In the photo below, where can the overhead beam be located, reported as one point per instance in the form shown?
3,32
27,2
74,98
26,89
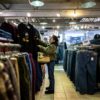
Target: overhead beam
6,6
50,6
51,13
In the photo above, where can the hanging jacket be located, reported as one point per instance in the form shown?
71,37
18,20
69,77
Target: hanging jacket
28,34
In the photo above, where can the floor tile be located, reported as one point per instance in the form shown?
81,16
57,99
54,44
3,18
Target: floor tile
64,90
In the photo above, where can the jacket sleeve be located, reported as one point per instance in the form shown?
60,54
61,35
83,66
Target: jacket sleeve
39,42
51,49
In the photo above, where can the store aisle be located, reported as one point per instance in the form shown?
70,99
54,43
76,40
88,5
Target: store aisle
64,90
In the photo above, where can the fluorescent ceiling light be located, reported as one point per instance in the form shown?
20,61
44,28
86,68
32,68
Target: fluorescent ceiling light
43,27
72,23
76,27
0,13
36,3
28,14
89,4
12,21
6,20
43,23
15,24
33,20
53,20
58,27
97,20
21,20
58,15
82,27
74,14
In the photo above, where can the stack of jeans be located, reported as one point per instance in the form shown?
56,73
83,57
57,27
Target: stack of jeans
65,60
85,72
83,67
69,63
73,63
71,60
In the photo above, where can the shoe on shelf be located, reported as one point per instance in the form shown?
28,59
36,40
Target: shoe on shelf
49,92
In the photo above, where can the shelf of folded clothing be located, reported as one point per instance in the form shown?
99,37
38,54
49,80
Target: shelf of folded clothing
5,40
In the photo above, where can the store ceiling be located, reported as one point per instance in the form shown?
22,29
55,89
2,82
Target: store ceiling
26,1
50,8
62,22
46,1
15,10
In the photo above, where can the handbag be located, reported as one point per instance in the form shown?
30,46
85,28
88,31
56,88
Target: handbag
43,58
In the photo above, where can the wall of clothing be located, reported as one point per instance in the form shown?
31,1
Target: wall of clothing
21,75
24,34
18,78
83,68
18,74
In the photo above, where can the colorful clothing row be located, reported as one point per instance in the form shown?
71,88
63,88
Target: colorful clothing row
17,77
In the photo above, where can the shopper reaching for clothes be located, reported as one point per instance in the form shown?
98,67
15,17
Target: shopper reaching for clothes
50,50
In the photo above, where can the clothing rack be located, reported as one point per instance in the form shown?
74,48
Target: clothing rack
89,47
8,48
83,63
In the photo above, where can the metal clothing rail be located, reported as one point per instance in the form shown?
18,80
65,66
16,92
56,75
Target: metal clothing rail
89,47
8,48
9,45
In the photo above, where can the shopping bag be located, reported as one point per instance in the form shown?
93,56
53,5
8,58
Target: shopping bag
43,58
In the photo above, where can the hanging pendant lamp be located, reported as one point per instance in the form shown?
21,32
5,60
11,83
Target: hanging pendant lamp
36,3
88,4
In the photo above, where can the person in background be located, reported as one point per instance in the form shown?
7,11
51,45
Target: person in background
45,40
50,50
96,40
